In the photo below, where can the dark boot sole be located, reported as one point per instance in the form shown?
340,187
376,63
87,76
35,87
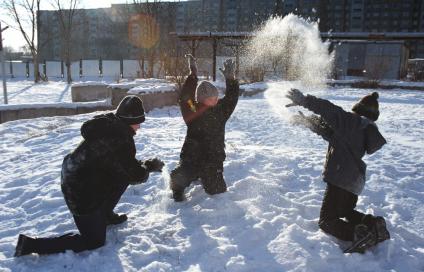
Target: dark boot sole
117,220
361,245
381,229
178,196
19,250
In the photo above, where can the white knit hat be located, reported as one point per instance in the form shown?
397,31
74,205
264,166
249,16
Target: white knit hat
205,90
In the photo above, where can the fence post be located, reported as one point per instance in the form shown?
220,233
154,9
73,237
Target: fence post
27,69
62,72
121,68
11,68
100,67
80,68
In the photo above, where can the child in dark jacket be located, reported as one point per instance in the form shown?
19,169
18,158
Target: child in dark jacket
203,154
94,177
350,135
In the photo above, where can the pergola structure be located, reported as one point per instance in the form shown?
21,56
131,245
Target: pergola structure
216,36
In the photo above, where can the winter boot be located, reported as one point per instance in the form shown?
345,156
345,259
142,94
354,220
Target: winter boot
381,230
378,225
25,245
363,239
178,195
116,219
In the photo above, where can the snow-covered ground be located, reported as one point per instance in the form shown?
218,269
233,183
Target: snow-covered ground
267,221
59,92
28,92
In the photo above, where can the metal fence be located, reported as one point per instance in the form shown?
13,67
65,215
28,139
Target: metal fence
79,69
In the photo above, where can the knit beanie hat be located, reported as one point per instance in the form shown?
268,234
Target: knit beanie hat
368,107
130,110
205,90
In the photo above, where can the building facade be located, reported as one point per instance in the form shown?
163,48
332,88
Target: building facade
222,15
106,33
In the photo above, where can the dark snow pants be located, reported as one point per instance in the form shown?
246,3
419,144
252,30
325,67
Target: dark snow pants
92,230
338,204
211,177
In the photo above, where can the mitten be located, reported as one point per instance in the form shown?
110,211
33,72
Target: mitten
296,96
192,64
154,165
229,69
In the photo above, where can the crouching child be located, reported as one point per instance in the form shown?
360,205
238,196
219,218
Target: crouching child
94,176
203,151
350,135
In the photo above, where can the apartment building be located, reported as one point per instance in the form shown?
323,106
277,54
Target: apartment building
106,33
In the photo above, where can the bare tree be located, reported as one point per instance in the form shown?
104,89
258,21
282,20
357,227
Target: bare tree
147,32
24,16
150,39
65,10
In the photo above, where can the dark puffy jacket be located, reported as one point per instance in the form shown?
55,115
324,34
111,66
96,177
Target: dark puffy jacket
205,139
349,136
104,158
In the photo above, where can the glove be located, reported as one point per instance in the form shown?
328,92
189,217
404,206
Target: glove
154,165
299,119
191,64
296,96
315,123
229,69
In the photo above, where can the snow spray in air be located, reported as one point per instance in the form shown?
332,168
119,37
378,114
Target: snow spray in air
289,48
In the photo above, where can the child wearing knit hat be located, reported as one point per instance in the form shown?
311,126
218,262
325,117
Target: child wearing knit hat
94,176
350,136
203,151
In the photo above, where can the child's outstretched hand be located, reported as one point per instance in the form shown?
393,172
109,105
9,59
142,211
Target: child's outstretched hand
192,64
298,119
296,96
229,69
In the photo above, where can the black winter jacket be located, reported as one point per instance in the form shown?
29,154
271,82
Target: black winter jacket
349,136
104,158
205,139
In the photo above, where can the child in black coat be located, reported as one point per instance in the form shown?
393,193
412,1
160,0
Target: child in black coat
203,151
94,177
350,136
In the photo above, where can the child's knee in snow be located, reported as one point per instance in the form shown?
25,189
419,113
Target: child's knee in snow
95,243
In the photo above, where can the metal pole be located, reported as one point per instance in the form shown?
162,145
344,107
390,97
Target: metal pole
3,69
237,61
193,48
214,46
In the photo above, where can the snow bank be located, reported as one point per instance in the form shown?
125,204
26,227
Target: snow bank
148,85
74,105
89,83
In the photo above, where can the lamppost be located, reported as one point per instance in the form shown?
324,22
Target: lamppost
3,69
